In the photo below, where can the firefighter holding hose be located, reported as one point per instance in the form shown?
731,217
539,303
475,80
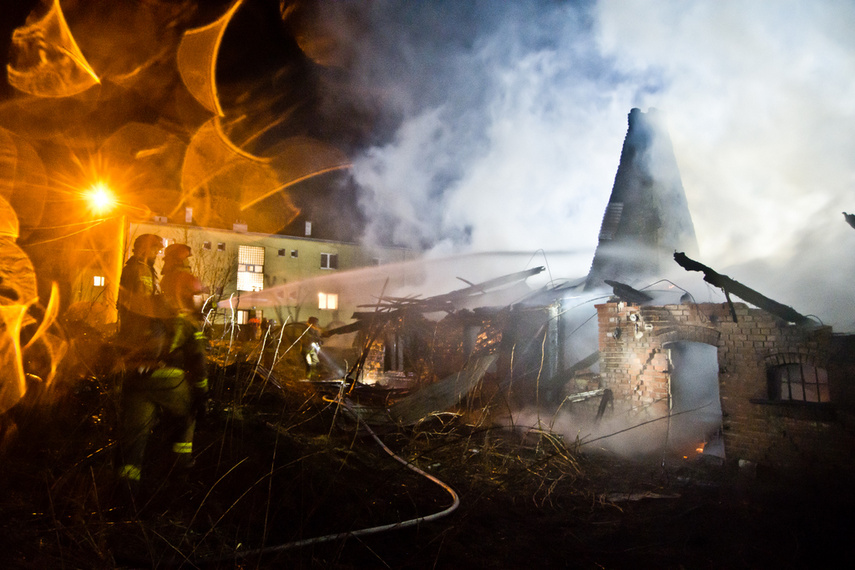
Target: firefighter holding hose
311,346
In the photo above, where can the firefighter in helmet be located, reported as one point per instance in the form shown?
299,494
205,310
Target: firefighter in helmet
138,303
177,387
181,289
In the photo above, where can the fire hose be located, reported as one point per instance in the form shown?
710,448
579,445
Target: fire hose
360,532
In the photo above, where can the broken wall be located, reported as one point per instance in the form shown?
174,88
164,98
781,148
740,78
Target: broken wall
758,425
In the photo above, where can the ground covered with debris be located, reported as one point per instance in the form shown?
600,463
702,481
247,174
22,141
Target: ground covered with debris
286,477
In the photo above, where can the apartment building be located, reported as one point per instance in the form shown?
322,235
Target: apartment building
234,263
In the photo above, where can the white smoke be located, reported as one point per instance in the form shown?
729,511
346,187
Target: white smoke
759,109
512,117
504,147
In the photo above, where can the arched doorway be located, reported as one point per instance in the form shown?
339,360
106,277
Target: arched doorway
695,420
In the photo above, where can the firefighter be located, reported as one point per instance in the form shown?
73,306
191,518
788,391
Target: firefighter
311,346
138,288
174,383
181,289
182,292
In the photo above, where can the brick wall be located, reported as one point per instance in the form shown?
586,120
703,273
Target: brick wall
634,363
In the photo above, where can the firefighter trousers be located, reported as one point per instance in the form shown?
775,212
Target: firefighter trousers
145,396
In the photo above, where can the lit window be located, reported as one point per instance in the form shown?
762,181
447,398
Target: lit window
329,261
328,301
250,275
247,281
251,254
800,382
99,281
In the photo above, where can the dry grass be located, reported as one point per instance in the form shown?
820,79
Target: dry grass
279,463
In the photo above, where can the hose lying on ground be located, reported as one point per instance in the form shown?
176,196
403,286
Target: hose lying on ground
360,532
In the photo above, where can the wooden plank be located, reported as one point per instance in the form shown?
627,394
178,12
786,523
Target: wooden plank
442,394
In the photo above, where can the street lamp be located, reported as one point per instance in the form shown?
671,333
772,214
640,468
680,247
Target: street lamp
101,199
102,202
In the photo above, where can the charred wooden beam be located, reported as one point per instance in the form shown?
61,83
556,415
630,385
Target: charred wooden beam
481,288
388,308
743,292
627,293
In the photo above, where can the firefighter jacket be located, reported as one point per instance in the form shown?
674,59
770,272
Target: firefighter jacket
187,349
187,352
180,289
142,332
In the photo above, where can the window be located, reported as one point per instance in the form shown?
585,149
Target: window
221,246
328,301
799,382
329,261
99,281
250,275
206,245
250,281
281,253
294,253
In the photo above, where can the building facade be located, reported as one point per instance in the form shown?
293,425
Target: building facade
234,263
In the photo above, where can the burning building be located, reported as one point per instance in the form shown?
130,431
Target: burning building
759,385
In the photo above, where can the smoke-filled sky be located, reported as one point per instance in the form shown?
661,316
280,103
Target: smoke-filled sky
497,126
513,115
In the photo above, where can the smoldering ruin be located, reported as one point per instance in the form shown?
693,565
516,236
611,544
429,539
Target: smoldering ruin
478,409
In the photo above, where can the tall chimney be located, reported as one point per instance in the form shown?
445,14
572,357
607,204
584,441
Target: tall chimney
647,217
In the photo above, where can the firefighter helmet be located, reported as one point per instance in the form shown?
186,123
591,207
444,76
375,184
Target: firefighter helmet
177,252
147,240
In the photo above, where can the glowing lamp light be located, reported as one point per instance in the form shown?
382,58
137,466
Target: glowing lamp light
100,198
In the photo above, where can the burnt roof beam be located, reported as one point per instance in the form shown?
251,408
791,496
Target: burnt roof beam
745,293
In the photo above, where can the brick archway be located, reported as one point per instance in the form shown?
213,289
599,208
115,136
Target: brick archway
688,333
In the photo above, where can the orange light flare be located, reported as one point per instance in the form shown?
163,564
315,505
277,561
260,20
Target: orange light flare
101,199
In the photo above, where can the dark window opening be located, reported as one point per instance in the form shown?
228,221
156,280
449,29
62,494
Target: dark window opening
329,261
